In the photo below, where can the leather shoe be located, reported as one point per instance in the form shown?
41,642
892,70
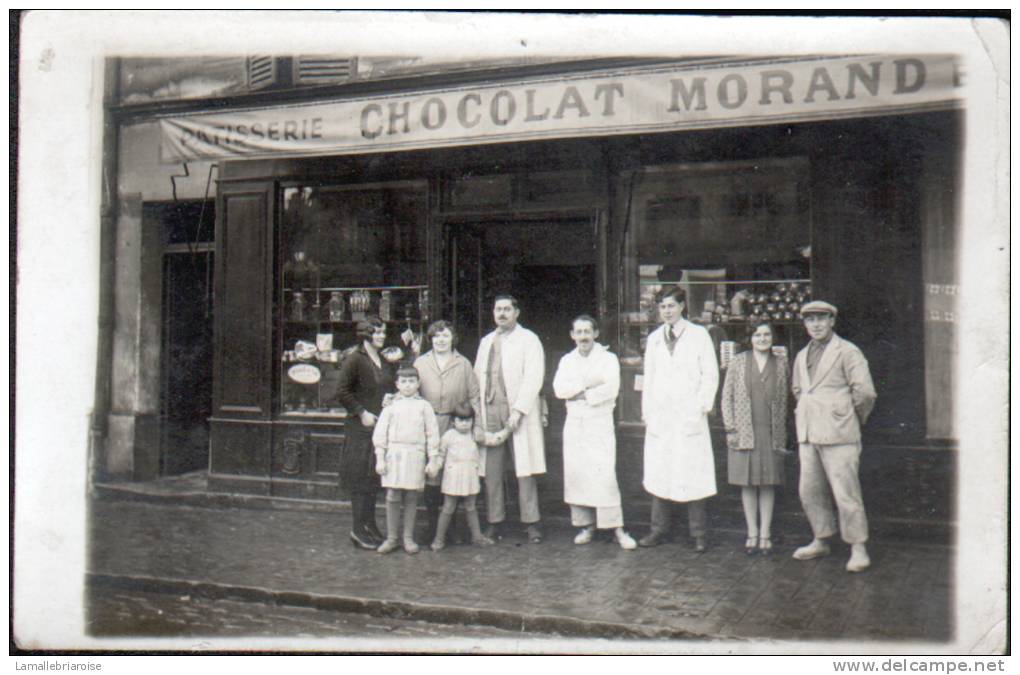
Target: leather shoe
700,545
651,539
534,534
373,531
360,540
492,532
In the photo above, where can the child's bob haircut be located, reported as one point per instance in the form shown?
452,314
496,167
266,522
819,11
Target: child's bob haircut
407,371
463,411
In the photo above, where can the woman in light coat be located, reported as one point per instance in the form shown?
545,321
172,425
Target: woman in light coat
447,380
680,379
754,409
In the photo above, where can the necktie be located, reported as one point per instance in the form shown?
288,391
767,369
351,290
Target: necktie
493,367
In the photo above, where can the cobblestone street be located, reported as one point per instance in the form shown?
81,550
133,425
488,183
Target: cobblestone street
297,562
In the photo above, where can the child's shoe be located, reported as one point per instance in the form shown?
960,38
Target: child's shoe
388,546
482,540
411,547
438,545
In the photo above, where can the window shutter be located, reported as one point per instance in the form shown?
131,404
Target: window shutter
261,72
312,70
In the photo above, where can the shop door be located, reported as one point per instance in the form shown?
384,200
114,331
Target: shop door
187,330
549,266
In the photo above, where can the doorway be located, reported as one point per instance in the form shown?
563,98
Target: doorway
187,229
549,265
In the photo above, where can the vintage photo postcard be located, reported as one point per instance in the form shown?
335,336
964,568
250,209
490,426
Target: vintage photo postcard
511,333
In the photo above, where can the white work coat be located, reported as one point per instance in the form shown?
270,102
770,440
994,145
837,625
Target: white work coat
589,439
523,366
678,392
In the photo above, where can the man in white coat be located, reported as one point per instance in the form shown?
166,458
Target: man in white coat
588,378
510,366
680,378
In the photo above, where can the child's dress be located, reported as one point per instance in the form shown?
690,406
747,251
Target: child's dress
406,429
460,464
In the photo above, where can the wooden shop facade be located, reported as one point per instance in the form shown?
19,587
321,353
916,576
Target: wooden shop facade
250,230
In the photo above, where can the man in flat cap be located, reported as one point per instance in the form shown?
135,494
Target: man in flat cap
835,395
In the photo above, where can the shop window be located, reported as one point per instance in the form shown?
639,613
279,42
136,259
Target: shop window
735,236
346,253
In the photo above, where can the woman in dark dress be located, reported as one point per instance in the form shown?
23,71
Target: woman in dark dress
754,408
365,377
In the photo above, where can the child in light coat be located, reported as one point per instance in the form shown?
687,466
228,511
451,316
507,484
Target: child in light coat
460,460
405,437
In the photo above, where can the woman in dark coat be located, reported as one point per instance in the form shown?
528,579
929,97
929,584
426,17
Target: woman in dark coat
365,377
754,408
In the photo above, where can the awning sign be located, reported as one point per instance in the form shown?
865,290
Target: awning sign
629,101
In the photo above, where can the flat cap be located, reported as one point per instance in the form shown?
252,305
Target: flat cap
818,307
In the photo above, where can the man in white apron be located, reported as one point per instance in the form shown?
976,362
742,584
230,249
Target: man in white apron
680,378
510,367
588,379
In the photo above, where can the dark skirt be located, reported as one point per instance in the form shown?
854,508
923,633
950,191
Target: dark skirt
357,461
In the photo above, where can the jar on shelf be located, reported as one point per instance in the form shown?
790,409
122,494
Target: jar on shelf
359,304
297,270
386,306
335,306
297,307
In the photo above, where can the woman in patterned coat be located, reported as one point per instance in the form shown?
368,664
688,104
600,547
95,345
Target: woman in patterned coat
754,408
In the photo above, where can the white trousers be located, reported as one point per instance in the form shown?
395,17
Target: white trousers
835,467
603,517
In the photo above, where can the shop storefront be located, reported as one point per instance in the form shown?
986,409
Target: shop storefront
755,184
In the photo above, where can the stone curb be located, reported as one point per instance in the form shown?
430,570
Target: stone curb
555,626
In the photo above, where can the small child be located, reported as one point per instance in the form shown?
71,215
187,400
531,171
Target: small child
462,459
405,432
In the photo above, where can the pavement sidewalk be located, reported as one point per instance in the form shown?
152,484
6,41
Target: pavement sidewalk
302,557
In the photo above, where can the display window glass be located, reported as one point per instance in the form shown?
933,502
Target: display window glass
735,236
346,253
